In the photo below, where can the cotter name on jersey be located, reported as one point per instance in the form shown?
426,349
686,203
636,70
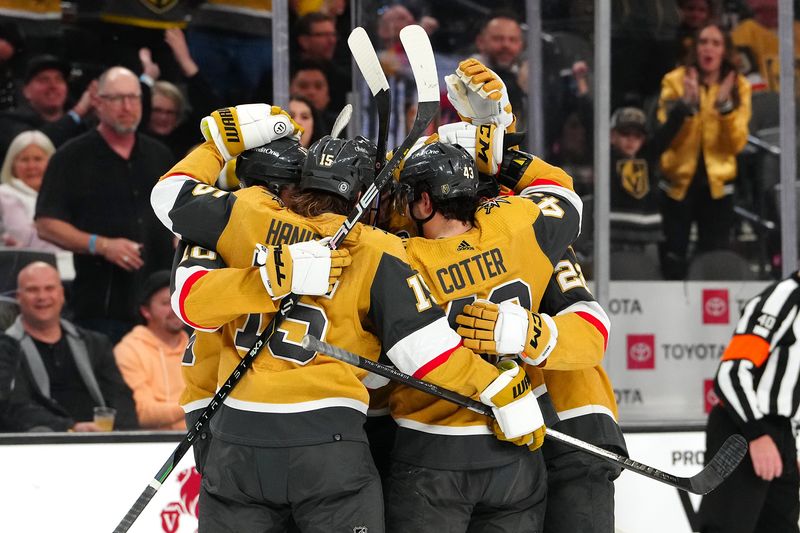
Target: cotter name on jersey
479,267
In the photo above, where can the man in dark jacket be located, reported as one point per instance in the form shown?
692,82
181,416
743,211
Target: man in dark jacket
52,373
45,105
94,201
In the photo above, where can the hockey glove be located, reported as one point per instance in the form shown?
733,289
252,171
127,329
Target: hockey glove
479,95
236,129
517,417
308,268
484,143
508,328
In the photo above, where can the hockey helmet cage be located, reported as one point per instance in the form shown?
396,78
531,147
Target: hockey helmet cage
447,169
339,166
272,165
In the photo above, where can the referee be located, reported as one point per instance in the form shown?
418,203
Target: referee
757,384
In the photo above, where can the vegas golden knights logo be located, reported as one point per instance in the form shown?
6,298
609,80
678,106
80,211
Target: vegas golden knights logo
635,180
159,6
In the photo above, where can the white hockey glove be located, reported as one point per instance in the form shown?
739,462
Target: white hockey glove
484,143
236,129
308,268
479,95
517,417
508,328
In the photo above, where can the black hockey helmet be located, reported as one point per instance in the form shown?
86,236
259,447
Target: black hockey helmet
447,169
339,166
272,165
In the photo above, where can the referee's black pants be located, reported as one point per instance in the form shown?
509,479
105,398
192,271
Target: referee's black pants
745,503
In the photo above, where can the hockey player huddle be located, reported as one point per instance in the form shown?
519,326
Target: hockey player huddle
486,299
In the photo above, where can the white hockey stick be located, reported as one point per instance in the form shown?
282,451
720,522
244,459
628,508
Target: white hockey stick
341,120
370,66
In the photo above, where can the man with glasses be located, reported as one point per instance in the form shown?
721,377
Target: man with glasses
94,201
316,42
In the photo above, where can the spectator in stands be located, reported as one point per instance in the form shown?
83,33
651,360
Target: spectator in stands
755,382
20,180
712,103
95,201
173,117
61,371
758,36
635,218
309,81
231,41
149,357
40,22
45,92
316,42
303,113
11,52
500,46
694,14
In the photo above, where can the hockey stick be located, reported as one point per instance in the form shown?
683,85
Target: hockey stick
342,119
714,473
420,56
370,67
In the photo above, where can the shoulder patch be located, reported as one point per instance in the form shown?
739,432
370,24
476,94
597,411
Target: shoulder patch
492,203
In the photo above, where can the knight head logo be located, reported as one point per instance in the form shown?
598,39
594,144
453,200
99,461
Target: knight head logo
715,306
188,495
641,352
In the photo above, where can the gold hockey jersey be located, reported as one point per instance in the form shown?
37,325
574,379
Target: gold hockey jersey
290,396
456,278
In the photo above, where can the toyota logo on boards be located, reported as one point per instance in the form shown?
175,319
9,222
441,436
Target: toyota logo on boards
641,352
715,306
710,398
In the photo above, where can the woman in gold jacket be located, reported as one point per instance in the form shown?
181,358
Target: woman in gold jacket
699,166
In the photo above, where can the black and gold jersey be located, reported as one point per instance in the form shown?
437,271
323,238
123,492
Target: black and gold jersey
291,396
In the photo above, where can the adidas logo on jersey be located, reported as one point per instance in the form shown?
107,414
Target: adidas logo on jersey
464,246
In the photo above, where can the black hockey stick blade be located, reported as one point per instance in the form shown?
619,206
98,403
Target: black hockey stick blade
420,56
721,465
718,469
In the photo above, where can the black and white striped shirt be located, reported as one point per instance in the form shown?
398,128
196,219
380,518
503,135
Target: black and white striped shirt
760,370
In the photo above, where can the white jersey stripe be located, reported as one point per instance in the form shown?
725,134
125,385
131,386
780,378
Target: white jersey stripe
414,351
741,326
776,300
182,274
299,407
591,307
745,375
407,423
591,409
765,384
164,195
197,404
726,387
